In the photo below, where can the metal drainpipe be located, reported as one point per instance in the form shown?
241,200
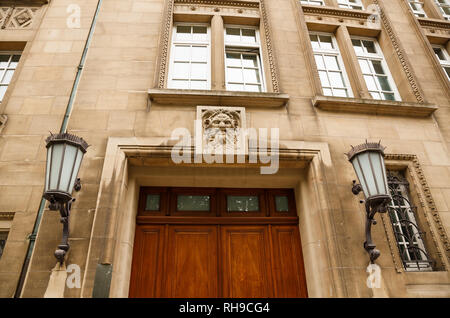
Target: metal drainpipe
33,235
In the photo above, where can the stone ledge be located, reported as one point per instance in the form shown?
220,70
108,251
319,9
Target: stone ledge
19,3
434,23
334,11
373,106
185,97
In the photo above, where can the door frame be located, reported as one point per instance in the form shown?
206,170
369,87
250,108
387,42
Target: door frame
132,162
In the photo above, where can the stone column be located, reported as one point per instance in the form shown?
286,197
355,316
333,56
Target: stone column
217,53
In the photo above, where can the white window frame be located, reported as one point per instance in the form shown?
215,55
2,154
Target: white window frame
379,56
240,47
334,52
445,64
347,4
441,5
420,13
313,2
3,72
174,43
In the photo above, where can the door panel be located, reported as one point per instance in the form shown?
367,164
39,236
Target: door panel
246,262
147,260
191,262
288,262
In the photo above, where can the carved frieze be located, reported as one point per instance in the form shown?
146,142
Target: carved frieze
17,17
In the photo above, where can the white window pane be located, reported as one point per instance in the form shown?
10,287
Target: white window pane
331,63
314,41
324,79
384,83
336,79
14,61
7,77
375,95
233,35
179,84
365,68
439,54
249,60
370,82
182,53
2,91
252,88
199,85
251,76
199,71
319,62
4,60
249,35
199,33
340,92
235,87
199,54
235,75
183,33
181,70
388,96
234,59
377,67
357,46
369,46
326,42
327,92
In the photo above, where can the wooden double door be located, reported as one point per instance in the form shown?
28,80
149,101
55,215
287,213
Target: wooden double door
255,253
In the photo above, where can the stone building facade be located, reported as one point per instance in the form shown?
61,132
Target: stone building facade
327,74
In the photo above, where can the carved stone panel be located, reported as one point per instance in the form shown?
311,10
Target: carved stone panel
17,18
222,129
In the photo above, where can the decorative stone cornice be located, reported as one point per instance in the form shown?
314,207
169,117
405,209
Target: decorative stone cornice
6,216
426,202
233,3
434,23
336,12
398,48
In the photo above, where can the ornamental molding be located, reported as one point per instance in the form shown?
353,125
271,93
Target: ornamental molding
269,47
399,50
3,120
168,21
445,25
426,201
6,216
17,17
336,12
237,3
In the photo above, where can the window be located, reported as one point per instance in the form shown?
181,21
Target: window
313,2
444,6
8,64
374,69
406,229
417,8
243,65
443,58
351,4
190,57
329,65
3,237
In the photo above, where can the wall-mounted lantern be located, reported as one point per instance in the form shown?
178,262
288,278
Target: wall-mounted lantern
368,161
64,155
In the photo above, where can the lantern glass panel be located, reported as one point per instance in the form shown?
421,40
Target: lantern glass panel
57,151
76,167
47,171
368,173
360,176
68,165
378,171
